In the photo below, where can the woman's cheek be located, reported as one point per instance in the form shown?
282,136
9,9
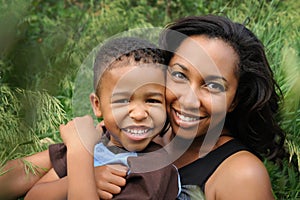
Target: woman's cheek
174,91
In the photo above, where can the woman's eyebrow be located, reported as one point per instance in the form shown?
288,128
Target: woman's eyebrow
214,77
208,78
184,68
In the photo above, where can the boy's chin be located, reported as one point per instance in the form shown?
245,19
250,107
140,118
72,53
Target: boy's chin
136,148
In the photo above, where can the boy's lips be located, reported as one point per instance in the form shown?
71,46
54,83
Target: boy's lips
137,132
186,120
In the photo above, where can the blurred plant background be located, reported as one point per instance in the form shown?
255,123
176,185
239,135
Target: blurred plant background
44,42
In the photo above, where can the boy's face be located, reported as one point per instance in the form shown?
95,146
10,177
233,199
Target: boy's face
132,103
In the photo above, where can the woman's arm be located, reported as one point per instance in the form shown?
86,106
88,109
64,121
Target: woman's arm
16,181
81,182
49,187
80,137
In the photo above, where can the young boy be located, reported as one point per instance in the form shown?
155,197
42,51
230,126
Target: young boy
129,82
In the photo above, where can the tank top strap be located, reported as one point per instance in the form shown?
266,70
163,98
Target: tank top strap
198,172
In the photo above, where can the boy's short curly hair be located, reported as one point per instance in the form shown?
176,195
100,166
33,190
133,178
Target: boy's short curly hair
125,50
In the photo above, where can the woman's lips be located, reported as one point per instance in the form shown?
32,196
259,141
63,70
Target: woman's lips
186,120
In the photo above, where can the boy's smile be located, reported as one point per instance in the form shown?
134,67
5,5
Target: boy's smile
137,132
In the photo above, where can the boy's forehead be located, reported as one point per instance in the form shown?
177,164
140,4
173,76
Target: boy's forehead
133,76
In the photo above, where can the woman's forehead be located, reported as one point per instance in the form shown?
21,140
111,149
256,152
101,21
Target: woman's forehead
207,55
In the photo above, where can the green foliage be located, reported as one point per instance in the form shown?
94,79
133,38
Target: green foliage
284,179
290,112
26,118
44,42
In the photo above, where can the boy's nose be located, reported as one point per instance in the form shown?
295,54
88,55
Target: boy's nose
138,112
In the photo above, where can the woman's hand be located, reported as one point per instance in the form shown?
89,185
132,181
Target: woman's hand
81,132
109,180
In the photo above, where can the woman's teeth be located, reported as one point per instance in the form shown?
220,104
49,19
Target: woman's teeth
185,118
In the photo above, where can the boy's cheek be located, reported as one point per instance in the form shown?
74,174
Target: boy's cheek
159,115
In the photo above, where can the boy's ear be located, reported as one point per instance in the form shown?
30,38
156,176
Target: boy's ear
95,101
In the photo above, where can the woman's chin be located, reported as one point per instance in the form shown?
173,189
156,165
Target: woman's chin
182,133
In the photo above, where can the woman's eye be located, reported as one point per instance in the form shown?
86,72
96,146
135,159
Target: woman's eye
215,87
178,75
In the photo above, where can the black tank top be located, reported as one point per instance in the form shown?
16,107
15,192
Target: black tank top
198,172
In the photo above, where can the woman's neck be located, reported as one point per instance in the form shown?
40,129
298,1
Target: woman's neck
185,151
188,151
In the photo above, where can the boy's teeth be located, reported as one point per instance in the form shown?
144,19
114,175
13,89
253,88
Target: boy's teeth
137,132
185,118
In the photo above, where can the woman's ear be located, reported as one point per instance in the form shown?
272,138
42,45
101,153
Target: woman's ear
233,105
95,101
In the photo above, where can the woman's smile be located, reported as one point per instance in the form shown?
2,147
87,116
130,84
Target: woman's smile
186,120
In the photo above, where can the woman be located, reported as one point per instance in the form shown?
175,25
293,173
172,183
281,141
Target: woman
221,102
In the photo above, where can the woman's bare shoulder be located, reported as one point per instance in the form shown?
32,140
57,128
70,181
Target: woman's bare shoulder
240,176
244,163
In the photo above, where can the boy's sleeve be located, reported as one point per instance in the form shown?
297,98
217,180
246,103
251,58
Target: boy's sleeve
58,157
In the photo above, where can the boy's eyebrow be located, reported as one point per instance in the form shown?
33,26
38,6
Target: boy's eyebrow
121,93
155,94
130,93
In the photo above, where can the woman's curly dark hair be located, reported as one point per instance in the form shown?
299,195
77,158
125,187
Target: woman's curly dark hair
253,119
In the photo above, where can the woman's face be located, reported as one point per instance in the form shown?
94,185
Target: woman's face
201,85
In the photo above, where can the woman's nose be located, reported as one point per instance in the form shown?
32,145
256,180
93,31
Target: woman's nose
190,100
138,112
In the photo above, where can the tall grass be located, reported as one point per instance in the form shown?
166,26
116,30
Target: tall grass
26,118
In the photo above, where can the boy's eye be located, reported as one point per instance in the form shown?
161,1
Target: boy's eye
121,101
215,87
153,101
